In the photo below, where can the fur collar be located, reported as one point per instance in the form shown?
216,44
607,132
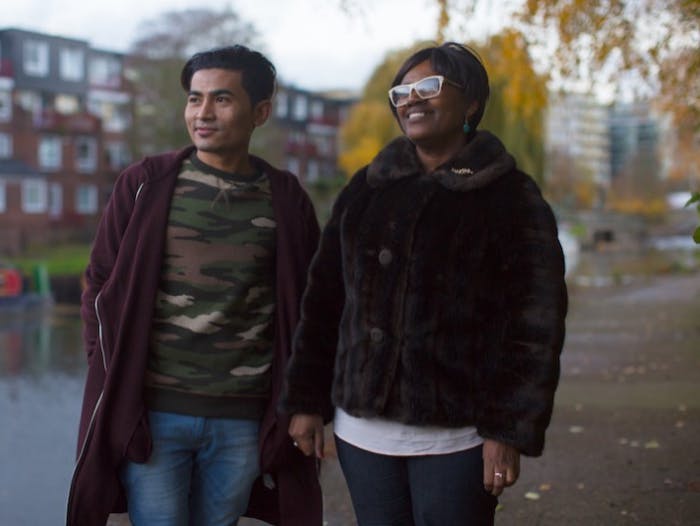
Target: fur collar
481,161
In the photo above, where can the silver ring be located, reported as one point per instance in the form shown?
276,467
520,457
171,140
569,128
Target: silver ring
295,443
499,475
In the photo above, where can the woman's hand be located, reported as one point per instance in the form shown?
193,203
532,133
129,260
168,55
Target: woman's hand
307,433
501,466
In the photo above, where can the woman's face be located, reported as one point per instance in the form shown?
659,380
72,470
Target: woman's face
432,121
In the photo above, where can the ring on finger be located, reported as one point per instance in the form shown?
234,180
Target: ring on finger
498,475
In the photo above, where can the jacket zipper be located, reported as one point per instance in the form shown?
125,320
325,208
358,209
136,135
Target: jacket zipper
89,430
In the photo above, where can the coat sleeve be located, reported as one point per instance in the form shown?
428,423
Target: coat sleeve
310,373
103,255
521,370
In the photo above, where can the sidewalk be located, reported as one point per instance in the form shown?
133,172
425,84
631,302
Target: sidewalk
623,447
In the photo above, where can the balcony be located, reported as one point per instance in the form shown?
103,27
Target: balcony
51,120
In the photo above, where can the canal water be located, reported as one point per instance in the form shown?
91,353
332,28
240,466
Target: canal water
42,369
41,380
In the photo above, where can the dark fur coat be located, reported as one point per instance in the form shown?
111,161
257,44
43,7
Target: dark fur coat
436,299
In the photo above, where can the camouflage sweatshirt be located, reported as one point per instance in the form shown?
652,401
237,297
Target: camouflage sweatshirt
211,339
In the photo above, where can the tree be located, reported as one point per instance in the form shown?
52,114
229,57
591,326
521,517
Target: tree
155,61
645,46
518,100
652,42
570,184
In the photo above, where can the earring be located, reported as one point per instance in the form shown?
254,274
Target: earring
466,128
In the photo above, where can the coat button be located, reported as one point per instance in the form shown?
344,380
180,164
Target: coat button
376,335
385,256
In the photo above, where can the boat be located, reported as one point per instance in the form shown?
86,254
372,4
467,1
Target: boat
17,293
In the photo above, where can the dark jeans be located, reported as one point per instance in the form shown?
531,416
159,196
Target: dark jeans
427,490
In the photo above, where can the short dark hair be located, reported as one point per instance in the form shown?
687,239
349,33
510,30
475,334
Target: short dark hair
257,72
458,63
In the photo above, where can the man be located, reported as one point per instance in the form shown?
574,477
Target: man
192,296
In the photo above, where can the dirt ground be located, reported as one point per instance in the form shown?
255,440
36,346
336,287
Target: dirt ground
623,447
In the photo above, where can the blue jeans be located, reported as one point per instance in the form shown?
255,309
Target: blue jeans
426,490
200,473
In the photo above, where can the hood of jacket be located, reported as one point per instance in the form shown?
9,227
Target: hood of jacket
481,161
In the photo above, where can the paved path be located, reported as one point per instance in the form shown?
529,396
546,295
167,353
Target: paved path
624,444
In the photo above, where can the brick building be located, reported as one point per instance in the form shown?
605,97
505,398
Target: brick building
64,111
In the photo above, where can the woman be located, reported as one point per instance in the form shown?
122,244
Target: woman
433,318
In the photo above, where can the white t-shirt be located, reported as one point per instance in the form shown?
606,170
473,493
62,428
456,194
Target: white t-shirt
386,437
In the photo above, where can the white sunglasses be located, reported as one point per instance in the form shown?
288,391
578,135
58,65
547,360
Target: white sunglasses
425,88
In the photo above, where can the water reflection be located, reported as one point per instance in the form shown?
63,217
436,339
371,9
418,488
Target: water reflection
41,382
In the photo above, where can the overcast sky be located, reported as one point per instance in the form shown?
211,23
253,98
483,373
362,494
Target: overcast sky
312,42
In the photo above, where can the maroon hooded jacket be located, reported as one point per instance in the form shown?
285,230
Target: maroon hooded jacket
117,306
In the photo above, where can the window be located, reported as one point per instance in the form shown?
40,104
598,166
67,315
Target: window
317,109
3,199
115,114
34,196
117,155
66,104
293,165
5,145
30,101
50,153
86,154
313,173
281,105
36,58
105,71
86,199
5,106
55,200
300,107
71,62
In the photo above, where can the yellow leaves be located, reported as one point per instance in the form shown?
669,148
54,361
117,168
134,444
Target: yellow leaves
518,98
359,155
443,20
369,127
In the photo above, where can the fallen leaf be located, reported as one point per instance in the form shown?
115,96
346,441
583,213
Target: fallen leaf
682,408
576,429
634,443
694,486
623,441
580,485
652,444
680,424
531,495
545,487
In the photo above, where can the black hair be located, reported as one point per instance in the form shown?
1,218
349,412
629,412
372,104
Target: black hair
257,72
458,63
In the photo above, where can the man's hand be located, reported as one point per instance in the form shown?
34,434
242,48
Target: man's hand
307,433
501,466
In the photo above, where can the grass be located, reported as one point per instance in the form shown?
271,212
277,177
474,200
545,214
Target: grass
62,260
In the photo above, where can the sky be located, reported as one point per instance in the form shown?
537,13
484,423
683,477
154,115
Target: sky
313,43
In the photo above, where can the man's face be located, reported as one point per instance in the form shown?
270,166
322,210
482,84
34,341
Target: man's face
219,116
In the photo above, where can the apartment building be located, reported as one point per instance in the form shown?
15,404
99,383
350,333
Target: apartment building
64,111
310,124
